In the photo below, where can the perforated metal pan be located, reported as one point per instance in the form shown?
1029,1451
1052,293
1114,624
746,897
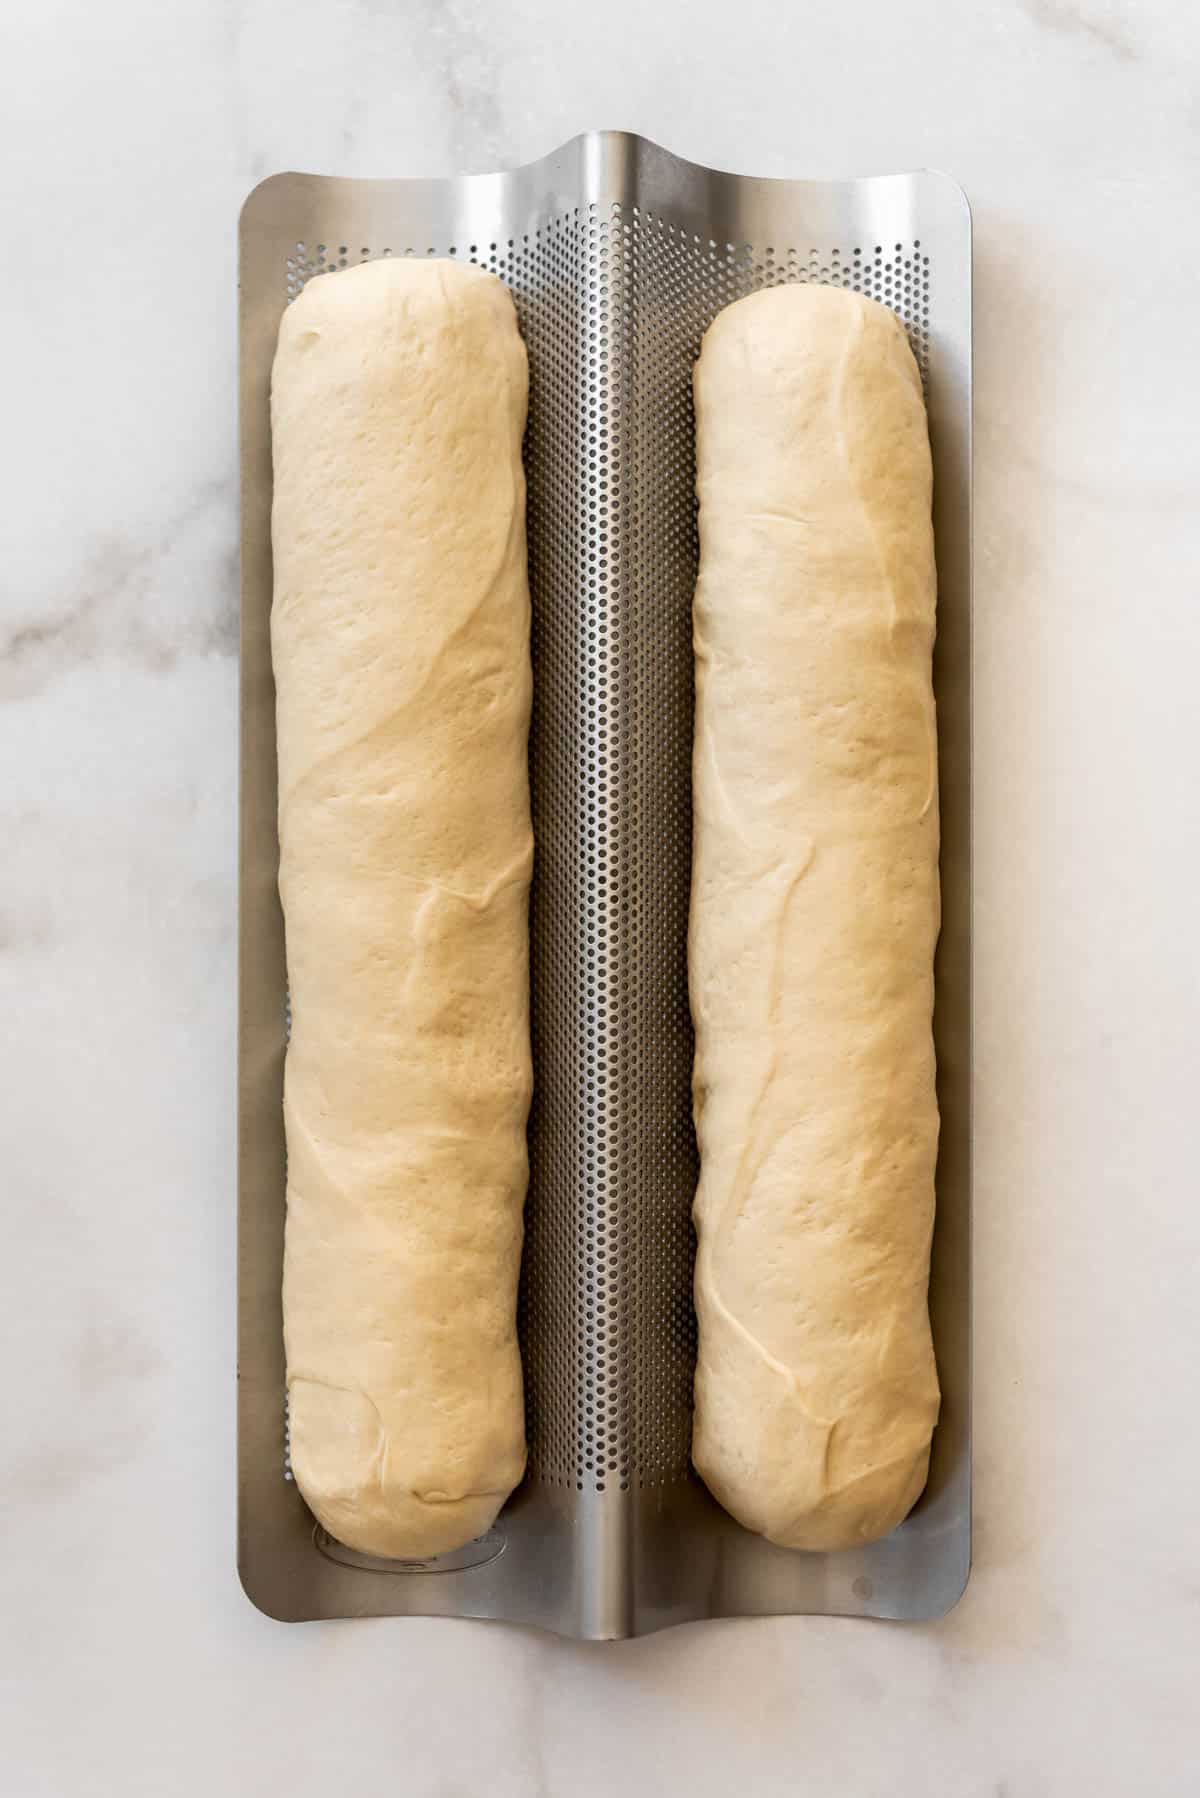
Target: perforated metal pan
618,255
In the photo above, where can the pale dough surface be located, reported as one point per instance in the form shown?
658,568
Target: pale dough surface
400,640
815,913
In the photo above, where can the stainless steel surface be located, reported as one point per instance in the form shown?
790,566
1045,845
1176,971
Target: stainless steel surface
618,255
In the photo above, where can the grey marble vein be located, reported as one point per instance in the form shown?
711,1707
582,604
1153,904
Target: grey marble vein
1105,30
453,40
106,610
108,1363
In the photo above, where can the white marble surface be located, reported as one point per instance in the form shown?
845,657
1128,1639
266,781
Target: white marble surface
130,132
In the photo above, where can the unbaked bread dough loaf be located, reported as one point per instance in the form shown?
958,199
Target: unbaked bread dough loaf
815,910
400,639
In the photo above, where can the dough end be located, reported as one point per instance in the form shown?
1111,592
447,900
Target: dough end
342,1466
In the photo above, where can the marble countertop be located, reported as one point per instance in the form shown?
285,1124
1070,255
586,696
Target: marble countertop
132,1662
